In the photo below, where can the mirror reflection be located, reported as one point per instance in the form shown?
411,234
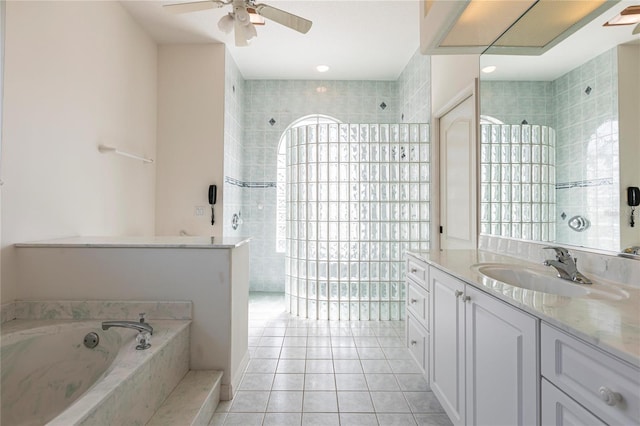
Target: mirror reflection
551,138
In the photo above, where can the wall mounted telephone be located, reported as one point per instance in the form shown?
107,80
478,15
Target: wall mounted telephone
633,200
213,193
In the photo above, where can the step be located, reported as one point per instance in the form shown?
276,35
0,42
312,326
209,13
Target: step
192,402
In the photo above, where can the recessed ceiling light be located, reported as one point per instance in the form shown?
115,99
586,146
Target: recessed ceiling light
629,16
489,69
322,68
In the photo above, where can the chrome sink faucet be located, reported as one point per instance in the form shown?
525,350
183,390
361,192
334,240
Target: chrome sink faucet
566,265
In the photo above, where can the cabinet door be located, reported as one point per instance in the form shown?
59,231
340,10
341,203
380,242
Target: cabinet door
502,365
447,343
560,410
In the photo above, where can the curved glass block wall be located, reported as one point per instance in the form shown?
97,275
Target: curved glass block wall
517,187
357,199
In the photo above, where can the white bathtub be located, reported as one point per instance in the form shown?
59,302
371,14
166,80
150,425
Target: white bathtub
50,377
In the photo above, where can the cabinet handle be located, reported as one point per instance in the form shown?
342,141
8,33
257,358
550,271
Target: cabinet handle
413,301
466,298
609,397
458,293
414,270
414,342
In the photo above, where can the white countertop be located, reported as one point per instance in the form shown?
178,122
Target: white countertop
145,242
613,325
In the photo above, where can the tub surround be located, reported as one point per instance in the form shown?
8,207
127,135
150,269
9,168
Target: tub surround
214,277
146,242
7,312
95,309
612,325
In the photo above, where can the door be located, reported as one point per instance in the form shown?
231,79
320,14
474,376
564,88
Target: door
501,362
447,349
458,177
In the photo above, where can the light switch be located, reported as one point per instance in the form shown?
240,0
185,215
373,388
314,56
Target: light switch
199,211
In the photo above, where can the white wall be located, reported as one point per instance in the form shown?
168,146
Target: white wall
450,74
2,37
629,107
190,137
77,74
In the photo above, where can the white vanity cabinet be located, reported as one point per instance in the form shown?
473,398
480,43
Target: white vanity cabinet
483,363
417,307
582,382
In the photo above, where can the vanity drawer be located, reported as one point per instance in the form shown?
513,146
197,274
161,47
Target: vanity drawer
560,410
590,376
418,303
417,271
418,343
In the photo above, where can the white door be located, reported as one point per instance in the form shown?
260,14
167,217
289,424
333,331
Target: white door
458,177
447,344
501,363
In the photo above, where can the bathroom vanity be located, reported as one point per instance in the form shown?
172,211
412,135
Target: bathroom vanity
494,353
213,274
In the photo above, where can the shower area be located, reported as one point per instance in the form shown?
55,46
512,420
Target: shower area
517,190
357,197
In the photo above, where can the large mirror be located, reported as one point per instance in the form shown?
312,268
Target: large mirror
560,136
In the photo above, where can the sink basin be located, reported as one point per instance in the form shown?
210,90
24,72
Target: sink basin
542,281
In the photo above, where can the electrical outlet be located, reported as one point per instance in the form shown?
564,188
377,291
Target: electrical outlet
199,211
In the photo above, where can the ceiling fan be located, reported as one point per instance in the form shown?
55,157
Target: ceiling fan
241,20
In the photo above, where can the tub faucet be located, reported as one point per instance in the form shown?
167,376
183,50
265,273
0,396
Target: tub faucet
566,265
141,326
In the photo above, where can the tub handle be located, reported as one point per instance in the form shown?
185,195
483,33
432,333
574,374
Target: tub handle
144,341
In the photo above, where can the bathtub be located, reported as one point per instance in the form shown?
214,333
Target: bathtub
50,377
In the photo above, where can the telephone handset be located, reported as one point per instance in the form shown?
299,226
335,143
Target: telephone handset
213,192
213,189
633,200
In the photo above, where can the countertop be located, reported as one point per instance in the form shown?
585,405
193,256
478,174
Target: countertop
612,325
145,242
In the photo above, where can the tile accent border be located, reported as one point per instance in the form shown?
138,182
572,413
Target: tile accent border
95,309
585,183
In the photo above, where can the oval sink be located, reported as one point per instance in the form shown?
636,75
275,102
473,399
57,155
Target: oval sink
540,280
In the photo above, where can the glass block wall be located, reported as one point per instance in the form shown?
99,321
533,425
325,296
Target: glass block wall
357,199
518,181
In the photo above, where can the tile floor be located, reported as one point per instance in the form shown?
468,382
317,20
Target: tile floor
326,373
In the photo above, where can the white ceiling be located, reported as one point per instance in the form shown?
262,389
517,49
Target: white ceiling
358,40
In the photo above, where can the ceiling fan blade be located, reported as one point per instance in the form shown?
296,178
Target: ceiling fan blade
194,6
284,18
